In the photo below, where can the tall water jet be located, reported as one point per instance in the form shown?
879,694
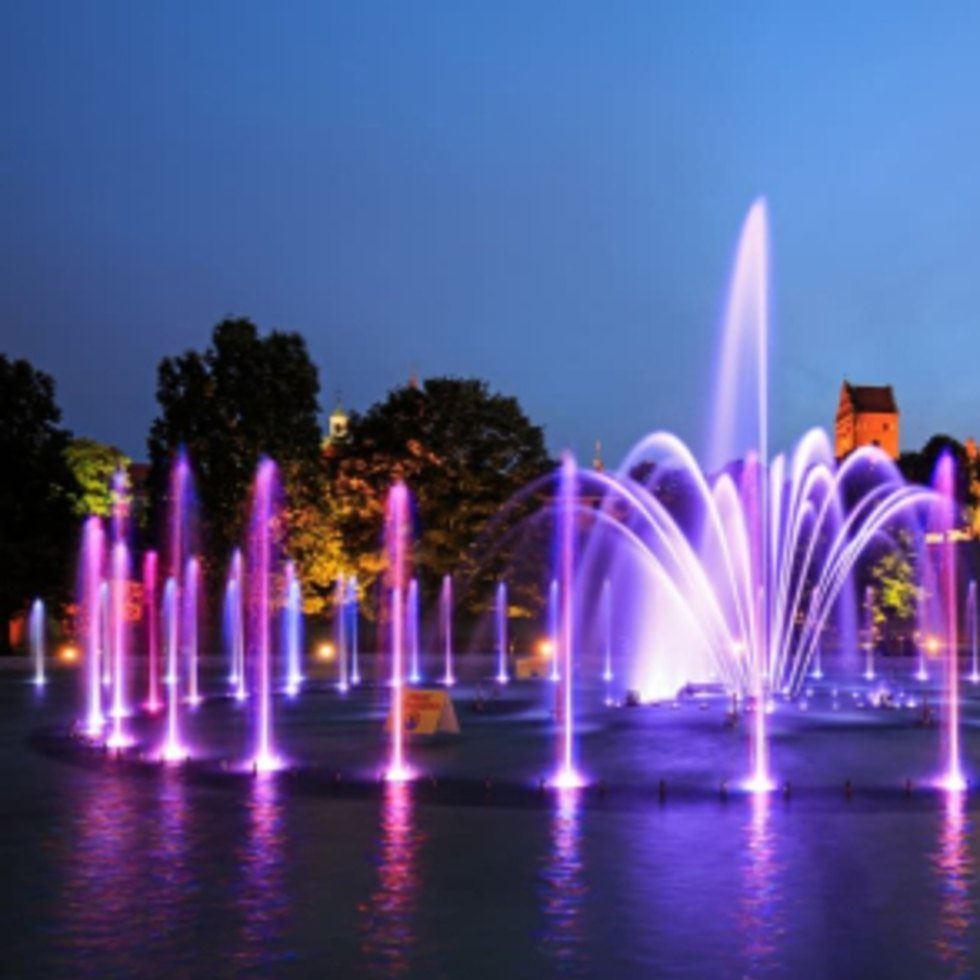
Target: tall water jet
341,596
355,666
293,631
868,633
105,632
119,586
500,622
817,672
607,669
260,571
36,640
173,749
234,626
152,632
446,629
923,641
945,485
567,777
90,608
192,578
971,626
412,631
397,530
553,640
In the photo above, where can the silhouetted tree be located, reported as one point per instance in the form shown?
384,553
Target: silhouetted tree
36,494
245,396
462,450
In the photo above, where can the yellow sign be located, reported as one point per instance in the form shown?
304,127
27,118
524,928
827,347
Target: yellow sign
427,712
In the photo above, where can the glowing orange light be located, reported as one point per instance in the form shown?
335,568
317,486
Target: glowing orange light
68,654
325,651
932,644
546,648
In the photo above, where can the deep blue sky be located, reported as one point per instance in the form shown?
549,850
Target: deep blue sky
545,195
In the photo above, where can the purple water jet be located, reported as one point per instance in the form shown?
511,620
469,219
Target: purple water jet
567,777
500,624
189,618
868,637
341,595
397,530
553,640
262,531
173,749
355,667
90,608
36,640
119,584
293,631
446,624
153,704
412,632
234,626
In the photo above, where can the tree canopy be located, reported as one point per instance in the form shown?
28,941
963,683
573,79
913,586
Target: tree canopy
36,492
245,396
463,451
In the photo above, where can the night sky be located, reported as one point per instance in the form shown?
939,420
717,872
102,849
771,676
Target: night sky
544,195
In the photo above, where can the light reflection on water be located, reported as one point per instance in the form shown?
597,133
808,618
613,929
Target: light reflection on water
760,916
262,895
388,916
565,887
952,863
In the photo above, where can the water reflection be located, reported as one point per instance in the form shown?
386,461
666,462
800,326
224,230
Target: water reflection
263,895
388,917
953,865
761,914
565,887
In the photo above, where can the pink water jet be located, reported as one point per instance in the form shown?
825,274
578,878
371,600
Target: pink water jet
412,630
119,738
293,631
340,633
153,702
260,571
397,531
567,776
192,577
173,749
446,623
355,666
90,609
500,622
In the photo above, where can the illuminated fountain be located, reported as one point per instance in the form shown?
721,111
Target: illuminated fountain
869,634
234,626
971,631
189,621
397,531
607,625
500,624
412,632
355,667
119,738
261,558
293,631
173,749
446,626
731,575
553,629
90,608
36,640
153,703
340,632
945,521
567,777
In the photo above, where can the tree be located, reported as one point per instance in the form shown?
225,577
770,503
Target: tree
93,465
896,592
245,396
36,488
462,450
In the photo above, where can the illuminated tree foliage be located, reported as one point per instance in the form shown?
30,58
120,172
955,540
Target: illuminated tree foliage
93,465
36,493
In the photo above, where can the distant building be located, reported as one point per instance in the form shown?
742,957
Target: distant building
867,415
337,430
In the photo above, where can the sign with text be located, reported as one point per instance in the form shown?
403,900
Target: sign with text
427,712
